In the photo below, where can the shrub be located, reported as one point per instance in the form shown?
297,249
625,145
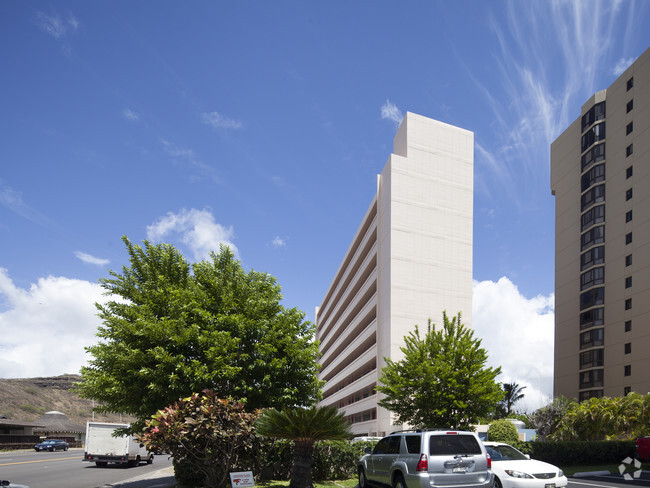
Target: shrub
503,431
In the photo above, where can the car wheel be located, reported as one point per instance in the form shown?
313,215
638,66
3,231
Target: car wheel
497,483
52,449
65,448
399,482
150,459
363,481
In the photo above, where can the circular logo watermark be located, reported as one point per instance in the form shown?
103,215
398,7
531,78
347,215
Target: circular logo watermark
625,464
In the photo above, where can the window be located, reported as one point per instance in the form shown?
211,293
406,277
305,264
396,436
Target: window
630,105
591,359
630,83
413,443
629,150
628,260
591,338
627,390
628,194
453,444
628,304
589,379
627,370
595,276
627,348
594,175
595,113
586,395
595,235
595,296
590,318
628,325
595,154
592,257
628,216
629,128
628,238
628,173
593,135
628,282
595,195
595,215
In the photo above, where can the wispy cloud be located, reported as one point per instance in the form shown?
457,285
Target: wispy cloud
391,112
196,229
218,121
56,25
13,200
130,115
87,258
621,66
188,157
278,242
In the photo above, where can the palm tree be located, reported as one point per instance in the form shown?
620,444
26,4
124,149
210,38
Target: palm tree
513,393
304,426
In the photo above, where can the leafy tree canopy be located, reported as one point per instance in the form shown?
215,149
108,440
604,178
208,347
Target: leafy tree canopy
173,329
442,381
546,419
503,431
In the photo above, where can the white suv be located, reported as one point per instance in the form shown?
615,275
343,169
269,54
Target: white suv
427,459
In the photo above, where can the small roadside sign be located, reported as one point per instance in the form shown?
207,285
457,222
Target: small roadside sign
243,479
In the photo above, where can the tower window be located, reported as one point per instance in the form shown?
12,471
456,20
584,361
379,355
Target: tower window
628,238
630,83
627,370
628,173
628,260
630,105
629,150
628,194
628,304
628,216
628,325
628,282
627,347
629,128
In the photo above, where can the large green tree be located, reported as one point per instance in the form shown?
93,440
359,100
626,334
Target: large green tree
172,329
303,426
442,380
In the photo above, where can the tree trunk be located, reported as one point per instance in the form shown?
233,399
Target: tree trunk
301,469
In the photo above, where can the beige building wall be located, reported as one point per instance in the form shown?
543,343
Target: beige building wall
410,259
602,306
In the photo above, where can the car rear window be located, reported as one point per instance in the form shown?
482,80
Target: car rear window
453,444
413,444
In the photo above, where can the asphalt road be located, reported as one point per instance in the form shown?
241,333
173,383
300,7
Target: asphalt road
611,481
67,470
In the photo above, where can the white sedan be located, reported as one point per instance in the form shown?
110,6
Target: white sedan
512,469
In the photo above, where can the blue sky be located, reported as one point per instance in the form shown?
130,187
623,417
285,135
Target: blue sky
263,125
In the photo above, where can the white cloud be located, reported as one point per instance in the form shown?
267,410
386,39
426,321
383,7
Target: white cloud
621,66
55,25
278,242
391,112
518,333
44,329
130,115
196,229
218,121
87,258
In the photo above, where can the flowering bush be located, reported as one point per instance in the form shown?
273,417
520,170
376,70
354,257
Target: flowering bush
205,435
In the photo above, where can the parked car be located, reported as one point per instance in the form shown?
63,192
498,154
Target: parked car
426,458
643,448
513,469
52,445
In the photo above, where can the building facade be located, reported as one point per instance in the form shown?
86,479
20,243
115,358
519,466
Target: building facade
410,260
600,176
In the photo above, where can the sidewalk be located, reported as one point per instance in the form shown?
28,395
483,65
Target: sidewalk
163,478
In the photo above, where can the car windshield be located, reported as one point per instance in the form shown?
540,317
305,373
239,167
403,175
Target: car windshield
505,453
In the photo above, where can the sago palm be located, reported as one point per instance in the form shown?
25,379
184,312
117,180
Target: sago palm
304,426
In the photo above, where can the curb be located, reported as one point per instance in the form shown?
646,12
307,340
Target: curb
591,473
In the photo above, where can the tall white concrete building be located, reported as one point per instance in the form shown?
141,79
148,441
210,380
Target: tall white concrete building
410,260
600,176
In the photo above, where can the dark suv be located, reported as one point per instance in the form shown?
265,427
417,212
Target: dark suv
427,459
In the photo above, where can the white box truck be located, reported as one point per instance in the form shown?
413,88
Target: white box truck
103,448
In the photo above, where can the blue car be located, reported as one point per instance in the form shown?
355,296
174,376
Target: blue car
52,445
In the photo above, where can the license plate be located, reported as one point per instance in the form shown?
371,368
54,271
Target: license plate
463,469
549,485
